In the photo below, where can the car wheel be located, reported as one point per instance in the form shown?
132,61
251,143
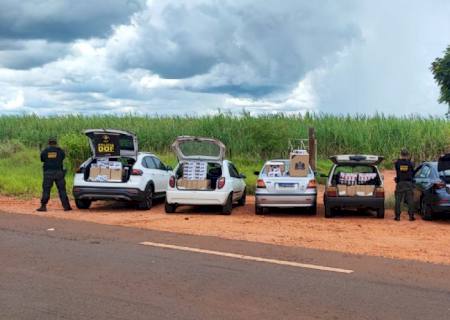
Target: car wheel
147,203
259,210
170,207
425,210
313,210
241,201
83,203
228,207
328,212
380,213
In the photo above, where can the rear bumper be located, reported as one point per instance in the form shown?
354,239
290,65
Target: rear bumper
192,197
355,202
285,200
96,193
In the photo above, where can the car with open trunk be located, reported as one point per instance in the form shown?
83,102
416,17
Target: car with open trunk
118,171
354,182
203,176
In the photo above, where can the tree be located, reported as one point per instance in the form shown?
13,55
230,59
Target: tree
441,72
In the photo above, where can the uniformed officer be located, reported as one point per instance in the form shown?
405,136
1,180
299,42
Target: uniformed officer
404,188
52,158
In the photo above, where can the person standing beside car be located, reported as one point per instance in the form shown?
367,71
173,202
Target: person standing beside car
404,188
52,158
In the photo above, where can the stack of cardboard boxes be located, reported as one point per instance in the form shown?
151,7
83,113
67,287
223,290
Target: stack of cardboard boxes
299,163
194,176
356,184
106,171
275,169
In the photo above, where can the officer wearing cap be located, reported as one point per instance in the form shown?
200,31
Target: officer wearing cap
404,168
52,158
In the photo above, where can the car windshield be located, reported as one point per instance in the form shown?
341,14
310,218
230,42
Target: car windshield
199,148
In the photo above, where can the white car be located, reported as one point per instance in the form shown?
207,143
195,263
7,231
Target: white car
141,178
223,185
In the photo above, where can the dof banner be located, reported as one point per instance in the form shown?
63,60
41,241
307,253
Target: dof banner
107,145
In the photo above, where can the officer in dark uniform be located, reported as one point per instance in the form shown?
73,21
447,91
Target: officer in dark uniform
404,188
52,158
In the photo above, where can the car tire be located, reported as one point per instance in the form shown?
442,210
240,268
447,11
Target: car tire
425,210
313,210
228,207
380,213
241,201
328,212
147,203
83,204
259,210
170,207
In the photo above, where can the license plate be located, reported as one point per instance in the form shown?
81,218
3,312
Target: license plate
286,185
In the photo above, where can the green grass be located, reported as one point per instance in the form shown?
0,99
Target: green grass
249,140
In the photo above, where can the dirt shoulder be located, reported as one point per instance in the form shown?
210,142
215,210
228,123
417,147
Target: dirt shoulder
357,233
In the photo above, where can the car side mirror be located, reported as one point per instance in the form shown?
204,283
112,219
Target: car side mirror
169,168
322,175
256,173
242,176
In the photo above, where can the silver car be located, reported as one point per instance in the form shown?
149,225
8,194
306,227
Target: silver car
276,188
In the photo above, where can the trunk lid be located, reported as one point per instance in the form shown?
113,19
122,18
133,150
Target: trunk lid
198,148
356,159
111,142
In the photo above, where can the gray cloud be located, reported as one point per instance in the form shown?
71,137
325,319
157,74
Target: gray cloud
63,20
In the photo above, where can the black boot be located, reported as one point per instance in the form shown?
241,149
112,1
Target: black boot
42,208
397,218
411,218
68,209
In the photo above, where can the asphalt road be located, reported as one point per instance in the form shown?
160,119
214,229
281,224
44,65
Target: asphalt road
62,269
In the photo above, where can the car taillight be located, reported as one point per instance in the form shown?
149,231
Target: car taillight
379,193
220,183
136,172
260,183
439,185
331,192
172,182
312,184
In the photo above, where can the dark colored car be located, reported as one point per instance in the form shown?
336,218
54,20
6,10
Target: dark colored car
348,188
432,187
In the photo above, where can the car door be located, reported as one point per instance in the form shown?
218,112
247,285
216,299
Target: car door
237,181
163,175
421,182
150,172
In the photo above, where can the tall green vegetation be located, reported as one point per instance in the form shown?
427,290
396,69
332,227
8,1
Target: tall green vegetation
441,72
245,136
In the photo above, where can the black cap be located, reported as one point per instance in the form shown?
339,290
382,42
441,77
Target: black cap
52,140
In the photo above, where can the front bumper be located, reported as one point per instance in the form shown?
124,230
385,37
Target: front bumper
285,200
355,202
192,197
96,193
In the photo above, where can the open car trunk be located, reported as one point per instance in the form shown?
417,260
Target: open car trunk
114,153
200,162
198,175
356,180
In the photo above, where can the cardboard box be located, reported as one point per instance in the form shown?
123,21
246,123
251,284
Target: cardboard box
116,174
369,190
360,190
351,191
106,172
342,190
299,164
94,171
194,184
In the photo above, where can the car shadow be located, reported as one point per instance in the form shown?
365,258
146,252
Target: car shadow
359,213
288,212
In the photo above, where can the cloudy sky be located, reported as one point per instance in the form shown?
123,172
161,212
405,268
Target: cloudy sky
198,56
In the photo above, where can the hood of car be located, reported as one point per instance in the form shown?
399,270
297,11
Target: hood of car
111,142
444,162
198,148
356,159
